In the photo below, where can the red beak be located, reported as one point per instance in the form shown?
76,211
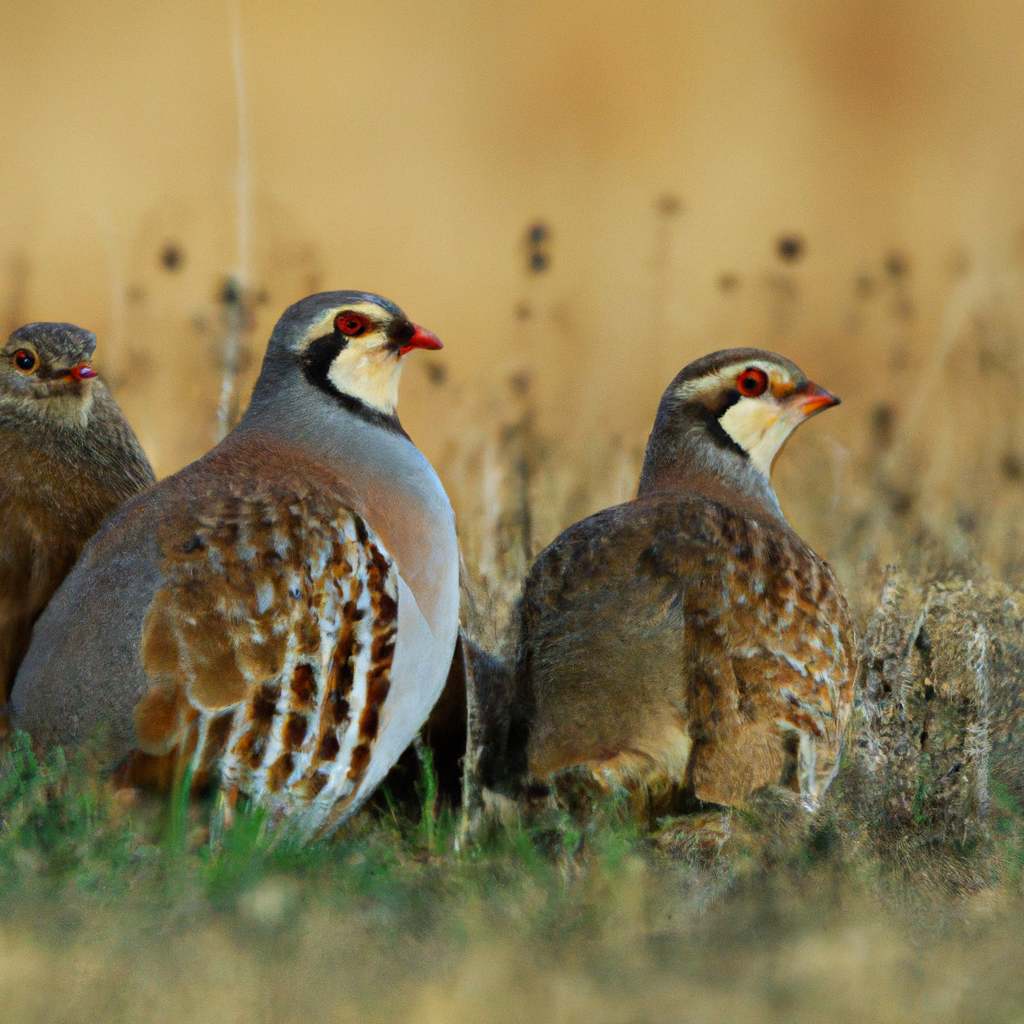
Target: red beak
83,372
422,338
812,398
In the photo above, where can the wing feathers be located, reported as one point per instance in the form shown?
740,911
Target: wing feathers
269,646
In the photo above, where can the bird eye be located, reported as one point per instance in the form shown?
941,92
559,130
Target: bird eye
752,382
24,361
351,324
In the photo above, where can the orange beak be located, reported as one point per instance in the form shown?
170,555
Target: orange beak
809,398
83,371
422,338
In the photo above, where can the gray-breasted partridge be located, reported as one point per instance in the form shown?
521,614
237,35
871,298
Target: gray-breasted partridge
687,643
67,459
286,607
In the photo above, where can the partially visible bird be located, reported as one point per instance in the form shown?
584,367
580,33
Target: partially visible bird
282,611
67,459
687,644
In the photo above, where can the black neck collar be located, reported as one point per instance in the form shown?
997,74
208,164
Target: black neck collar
316,365
356,406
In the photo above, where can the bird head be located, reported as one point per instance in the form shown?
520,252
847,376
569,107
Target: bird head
44,370
733,410
350,345
756,398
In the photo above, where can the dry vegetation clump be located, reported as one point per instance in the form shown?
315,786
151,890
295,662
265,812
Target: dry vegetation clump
935,760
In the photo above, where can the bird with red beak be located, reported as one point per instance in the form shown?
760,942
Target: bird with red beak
687,647
69,460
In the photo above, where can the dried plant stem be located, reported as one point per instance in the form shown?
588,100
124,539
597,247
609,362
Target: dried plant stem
235,316
235,293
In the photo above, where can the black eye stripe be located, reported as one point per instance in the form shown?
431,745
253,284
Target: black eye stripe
319,354
712,421
401,331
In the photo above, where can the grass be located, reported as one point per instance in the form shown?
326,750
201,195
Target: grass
68,837
556,921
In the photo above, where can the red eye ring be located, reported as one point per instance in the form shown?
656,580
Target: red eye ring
351,324
753,382
25,362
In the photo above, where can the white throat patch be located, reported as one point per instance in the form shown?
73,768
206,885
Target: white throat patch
760,427
370,374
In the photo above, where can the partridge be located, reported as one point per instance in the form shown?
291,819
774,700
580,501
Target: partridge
687,644
281,613
68,460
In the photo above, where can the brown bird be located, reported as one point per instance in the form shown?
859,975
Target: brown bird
687,644
68,460
282,611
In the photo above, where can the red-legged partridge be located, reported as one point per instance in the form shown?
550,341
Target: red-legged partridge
688,643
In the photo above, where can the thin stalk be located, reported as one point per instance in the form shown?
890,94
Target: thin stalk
236,289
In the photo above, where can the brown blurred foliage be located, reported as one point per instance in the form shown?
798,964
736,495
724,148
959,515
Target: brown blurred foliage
836,181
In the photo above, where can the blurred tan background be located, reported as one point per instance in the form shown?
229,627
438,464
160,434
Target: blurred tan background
840,181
